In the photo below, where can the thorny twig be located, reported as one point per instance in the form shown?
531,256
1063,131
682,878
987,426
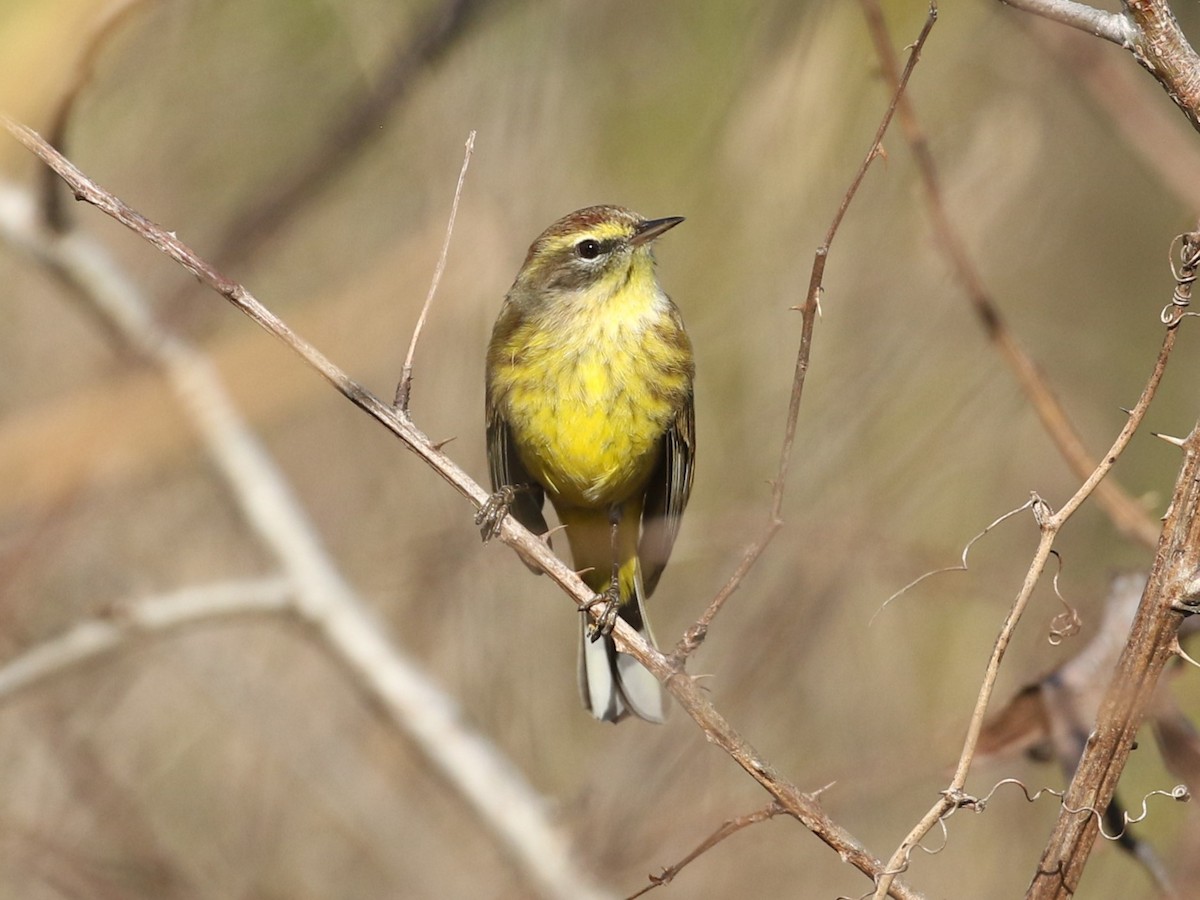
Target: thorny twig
695,635
111,20
1049,524
683,688
318,595
1171,593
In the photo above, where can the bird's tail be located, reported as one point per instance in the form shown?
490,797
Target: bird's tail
614,684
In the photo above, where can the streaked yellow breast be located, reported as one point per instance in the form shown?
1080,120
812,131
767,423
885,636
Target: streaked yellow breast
589,388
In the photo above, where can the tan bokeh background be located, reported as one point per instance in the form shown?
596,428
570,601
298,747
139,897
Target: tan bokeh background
237,761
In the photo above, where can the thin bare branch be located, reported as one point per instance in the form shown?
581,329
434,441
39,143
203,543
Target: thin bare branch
1171,593
1050,523
1052,717
91,639
1127,515
404,388
512,810
728,828
360,638
1113,27
695,635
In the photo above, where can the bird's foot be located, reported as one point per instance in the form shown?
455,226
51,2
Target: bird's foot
607,620
490,517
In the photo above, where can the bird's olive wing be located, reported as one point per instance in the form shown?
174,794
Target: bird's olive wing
667,495
507,471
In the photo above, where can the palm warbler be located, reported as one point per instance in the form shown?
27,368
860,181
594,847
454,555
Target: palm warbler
589,402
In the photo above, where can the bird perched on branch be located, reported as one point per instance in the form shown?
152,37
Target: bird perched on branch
589,403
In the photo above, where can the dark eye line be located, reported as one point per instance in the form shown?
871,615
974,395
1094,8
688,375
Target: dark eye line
590,248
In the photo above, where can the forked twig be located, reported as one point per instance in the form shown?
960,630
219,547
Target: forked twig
404,388
694,636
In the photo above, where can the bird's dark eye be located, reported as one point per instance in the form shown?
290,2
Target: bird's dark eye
588,248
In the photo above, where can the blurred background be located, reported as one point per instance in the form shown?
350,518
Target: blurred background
237,760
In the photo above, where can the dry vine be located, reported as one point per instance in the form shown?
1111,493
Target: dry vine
1049,523
1172,592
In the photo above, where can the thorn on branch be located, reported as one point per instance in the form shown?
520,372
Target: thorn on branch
815,796
1178,442
1178,650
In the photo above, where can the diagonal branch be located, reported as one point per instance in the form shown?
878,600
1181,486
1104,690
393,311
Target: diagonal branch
363,634
109,23
320,596
1113,27
1172,591
728,828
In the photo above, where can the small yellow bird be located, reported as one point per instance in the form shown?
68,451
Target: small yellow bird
589,403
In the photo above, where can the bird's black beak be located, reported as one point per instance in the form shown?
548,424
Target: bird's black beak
652,228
